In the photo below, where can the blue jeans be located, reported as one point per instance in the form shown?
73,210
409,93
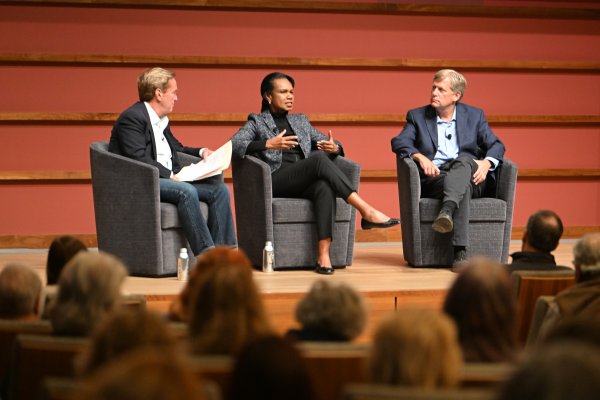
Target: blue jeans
202,235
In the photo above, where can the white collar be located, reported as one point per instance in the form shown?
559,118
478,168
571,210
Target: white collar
154,118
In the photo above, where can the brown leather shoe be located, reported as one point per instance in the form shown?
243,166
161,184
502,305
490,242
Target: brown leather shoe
443,223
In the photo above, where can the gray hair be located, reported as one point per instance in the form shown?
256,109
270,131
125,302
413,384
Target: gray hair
458,83
587,254
338,310
89,288
20,288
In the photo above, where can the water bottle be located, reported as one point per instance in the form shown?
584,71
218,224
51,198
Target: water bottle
268,258
183,265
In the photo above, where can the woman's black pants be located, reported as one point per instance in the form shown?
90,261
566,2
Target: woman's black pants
318,179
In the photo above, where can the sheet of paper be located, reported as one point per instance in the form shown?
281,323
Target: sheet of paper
216,163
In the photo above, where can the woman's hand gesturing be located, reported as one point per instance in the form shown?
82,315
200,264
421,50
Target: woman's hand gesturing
281,143
328,146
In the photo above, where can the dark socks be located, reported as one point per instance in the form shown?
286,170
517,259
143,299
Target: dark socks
449,206
458,249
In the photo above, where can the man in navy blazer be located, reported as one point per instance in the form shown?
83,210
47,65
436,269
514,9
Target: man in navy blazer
456,153
142,132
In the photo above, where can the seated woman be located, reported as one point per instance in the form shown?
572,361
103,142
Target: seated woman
285,141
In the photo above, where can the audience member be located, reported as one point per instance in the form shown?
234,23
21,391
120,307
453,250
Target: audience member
330,312
417,348
143,375
125,331
564,371
20,288
89,288
576,330
583,299
62,249
269,368
218,257
540,238
226,309
482,303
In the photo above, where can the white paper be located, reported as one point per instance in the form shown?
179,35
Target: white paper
216,163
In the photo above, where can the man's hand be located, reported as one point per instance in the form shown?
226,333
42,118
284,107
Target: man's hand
328,146
175,178
206,153
428,166
483,166
281,143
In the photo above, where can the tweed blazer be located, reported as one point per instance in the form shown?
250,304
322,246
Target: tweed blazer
262,127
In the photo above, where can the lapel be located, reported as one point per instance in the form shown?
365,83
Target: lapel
270,123
149,128
431,120
461,124
303,135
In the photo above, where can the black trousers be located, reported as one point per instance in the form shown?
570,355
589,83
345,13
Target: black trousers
455,183
318,179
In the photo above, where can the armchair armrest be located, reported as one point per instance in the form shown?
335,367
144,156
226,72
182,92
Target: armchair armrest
253,205
350,168
126,206
409,194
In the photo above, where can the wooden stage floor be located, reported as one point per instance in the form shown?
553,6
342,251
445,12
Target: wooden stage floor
379,272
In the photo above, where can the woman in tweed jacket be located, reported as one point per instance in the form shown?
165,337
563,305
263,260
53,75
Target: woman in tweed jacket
284,142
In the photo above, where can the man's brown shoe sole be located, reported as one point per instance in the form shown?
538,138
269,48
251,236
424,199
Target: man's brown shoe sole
443,224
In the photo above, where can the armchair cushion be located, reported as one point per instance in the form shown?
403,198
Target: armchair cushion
481,210
302,210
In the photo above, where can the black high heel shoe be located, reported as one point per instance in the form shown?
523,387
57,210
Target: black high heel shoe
324,270
364,224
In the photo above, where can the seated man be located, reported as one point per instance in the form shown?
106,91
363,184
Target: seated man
540,238
20,288
582,300
454,149
143,133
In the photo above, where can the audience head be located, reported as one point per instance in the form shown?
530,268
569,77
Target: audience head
143,375
267,85
336,311
123,332
543,231
219,257
226,308
562,371
62,249
152,79
587,257
482,303
269,368
417,348
20,288
458,83
89,288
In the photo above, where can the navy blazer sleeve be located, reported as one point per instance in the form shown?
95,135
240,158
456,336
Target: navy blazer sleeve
404,144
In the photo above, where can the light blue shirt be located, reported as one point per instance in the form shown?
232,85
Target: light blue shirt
448,143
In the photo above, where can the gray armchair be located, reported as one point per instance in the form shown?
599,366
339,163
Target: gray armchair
288,223
131,222
490,222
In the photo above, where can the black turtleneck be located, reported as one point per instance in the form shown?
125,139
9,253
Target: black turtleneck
292,155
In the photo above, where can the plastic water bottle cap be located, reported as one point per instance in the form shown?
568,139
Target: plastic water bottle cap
183,250
268,244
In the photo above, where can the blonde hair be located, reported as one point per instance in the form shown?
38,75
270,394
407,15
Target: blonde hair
152,79
89,288
226,310
338,310
458,83
416,348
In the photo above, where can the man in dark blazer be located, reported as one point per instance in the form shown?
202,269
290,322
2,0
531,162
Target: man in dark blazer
456,153
142,132
540,238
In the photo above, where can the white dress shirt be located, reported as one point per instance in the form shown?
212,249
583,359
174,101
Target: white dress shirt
163,150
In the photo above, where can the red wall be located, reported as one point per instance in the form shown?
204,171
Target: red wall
68,208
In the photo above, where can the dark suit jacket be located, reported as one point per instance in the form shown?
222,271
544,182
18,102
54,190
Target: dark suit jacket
420,135
534,261
132,136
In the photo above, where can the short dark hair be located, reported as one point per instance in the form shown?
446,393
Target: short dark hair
62,249
544,230
267,87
